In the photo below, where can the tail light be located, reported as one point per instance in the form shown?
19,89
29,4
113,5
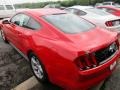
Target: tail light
113,23
86,62
89,61
109,24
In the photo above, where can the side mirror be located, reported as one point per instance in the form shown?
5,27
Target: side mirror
5,22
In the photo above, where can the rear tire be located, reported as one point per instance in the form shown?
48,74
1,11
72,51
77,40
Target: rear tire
38,68
3,36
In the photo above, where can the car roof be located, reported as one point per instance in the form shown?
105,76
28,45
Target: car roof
81,7
44,11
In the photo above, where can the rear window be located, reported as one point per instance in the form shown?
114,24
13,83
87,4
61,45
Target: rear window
69,23
97,11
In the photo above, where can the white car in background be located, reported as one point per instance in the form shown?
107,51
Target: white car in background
108,3
6,11
96,16
57,5
98,4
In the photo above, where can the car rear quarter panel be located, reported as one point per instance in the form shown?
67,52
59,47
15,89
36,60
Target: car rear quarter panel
57,61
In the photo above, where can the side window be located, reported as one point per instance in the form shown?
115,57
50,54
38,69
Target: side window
79,12
16,19
32,24
20,19
2,7
9,7
24,20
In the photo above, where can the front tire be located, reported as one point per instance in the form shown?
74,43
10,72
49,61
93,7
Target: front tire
3,36
38,68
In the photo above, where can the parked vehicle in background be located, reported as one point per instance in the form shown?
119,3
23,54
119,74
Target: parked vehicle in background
54,6
6,11
98,4
109,3
98,17
63,48
110,9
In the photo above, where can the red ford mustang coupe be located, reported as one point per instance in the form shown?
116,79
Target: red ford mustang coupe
62,48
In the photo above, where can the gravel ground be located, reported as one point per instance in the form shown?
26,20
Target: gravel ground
14,69
113,82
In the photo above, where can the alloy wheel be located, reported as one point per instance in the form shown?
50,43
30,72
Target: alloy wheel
37,68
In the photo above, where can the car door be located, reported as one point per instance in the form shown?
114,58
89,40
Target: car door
21,37
10,29
15,31
25,32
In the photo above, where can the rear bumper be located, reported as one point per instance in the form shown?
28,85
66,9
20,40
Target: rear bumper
92,77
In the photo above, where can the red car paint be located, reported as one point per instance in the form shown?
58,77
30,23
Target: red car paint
59,51
113,10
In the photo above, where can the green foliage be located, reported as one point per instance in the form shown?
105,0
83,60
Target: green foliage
118,1
75,2
65,3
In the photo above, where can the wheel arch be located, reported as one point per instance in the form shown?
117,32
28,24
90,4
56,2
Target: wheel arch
29,52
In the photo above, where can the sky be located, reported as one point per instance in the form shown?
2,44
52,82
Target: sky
24,1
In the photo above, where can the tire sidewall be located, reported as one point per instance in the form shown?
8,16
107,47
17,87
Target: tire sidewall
45,76
4,39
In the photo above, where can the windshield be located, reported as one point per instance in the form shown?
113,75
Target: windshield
9,7
2,7
97,11
69,23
